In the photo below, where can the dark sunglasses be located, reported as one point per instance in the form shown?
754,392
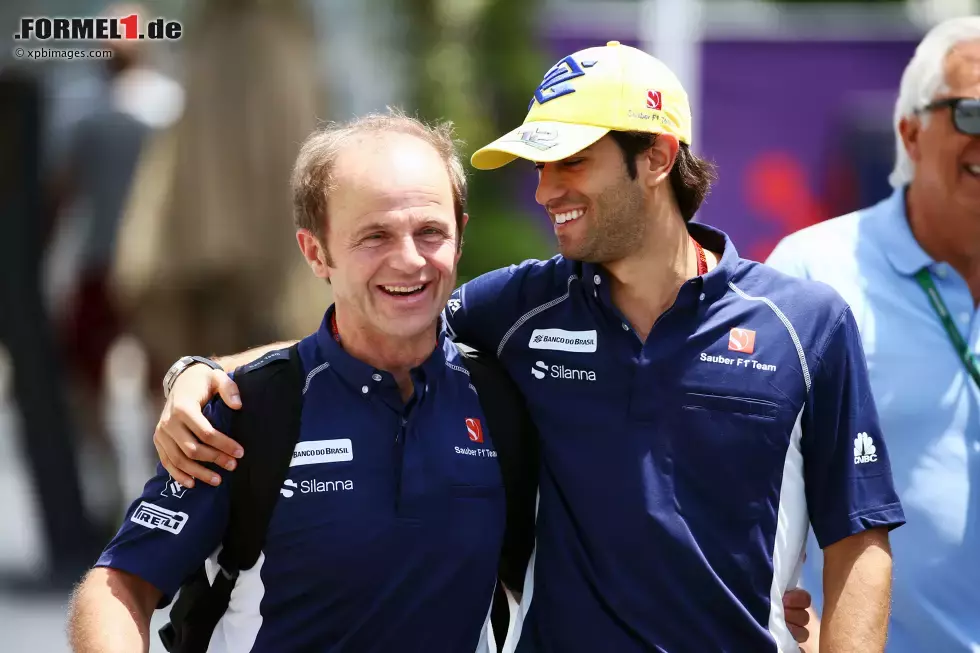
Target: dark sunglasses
965,113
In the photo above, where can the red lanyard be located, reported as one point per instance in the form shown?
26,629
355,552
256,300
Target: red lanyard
333,326
702,261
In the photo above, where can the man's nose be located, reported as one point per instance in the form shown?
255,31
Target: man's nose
407,257
550,186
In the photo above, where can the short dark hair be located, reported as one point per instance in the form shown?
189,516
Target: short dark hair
690,178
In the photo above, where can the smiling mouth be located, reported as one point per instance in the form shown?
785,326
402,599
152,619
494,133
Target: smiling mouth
404,291
568,216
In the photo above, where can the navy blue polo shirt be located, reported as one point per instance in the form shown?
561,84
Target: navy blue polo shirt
387,532
679,476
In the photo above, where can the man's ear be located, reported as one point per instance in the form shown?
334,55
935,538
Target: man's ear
314,252
910,129
459,236
653,165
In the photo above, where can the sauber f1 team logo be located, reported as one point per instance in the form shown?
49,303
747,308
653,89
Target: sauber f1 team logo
654,100
741,340
474,429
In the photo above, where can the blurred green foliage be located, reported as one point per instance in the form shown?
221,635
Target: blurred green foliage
478,66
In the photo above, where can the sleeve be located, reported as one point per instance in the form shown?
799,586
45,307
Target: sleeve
847,475
787,259
479,312
170,530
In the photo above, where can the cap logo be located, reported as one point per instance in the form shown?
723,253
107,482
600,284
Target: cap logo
654,100
539,138
556,81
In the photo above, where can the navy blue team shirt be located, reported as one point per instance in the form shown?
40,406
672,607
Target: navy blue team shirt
679,476
387,532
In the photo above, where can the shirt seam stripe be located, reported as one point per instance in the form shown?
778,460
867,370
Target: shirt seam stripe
786,323
534,311
316,370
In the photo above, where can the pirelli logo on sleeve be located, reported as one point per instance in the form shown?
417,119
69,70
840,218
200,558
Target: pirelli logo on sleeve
317,452
152,516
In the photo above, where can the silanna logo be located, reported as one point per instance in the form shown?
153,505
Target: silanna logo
314,486
542,369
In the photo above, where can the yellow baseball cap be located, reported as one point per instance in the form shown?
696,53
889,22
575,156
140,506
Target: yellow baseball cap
588,94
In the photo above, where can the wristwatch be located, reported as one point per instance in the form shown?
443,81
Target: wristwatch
178,368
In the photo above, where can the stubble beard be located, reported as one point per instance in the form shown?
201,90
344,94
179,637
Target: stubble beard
616,228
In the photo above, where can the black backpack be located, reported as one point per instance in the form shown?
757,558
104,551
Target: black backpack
272,398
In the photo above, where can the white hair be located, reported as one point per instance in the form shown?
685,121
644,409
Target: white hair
923,80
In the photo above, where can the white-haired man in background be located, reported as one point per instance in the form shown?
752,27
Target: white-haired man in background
910,269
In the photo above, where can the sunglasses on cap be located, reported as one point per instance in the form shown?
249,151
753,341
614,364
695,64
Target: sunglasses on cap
965,113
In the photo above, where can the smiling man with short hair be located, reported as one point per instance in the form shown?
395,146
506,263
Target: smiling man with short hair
390,525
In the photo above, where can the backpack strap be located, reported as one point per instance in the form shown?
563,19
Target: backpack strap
515,437
267,426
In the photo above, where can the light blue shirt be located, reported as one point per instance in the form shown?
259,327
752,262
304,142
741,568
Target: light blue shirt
930,416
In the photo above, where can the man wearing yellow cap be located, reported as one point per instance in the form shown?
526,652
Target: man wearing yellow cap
698,412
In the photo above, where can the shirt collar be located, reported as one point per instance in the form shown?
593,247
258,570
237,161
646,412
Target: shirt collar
714,284
895,235
716,280
361,375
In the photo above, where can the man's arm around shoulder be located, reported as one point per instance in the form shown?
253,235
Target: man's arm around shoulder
110,613
857,576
